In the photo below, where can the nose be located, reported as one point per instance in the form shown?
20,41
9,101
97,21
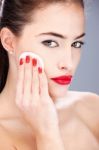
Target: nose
66,62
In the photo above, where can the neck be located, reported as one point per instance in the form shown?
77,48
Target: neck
7,97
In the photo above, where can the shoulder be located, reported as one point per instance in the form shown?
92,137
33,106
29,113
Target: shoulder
87,109
88,100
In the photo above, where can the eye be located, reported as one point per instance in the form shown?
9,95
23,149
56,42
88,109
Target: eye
77,44
50,43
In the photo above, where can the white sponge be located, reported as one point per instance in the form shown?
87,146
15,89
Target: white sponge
33,55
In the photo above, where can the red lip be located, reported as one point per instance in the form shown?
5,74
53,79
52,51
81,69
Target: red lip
63,80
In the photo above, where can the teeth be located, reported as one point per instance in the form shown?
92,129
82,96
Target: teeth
33,55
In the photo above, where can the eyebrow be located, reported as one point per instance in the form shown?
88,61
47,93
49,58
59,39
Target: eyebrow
60,35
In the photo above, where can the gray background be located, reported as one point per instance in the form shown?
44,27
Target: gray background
87,74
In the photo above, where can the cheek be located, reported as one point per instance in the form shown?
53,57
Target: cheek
49,69
76,58
50,61
76,54
56,91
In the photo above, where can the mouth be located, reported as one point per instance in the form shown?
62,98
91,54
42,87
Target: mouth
63,80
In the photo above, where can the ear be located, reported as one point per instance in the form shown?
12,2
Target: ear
8,40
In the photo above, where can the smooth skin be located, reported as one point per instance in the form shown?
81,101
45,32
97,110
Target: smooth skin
29,117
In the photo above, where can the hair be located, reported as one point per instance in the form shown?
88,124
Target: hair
15,14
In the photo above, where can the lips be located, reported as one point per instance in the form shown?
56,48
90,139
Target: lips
63,80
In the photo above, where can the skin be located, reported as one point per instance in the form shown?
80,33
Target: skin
21,123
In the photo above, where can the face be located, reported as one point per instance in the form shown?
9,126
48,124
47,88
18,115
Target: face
56,34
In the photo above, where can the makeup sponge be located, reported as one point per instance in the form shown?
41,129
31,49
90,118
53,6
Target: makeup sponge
33,55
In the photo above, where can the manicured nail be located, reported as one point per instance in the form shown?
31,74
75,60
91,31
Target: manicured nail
27,59
40,70
21,61
34,62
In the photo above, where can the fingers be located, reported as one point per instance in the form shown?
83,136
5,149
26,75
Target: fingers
32,82
27,80
35,80
43,84
20,81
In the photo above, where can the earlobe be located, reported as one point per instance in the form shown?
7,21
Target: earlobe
7,40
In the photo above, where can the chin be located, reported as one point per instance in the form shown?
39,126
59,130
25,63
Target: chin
56,92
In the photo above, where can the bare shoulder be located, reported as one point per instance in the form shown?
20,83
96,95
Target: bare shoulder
88,100
87,109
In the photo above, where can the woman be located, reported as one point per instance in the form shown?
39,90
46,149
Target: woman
31,114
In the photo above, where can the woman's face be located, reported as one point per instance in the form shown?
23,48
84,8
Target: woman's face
56,34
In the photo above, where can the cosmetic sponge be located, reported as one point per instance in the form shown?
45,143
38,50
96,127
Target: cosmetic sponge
33,55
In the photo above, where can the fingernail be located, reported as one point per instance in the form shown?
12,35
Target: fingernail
34,62
21,61
27,59
40,70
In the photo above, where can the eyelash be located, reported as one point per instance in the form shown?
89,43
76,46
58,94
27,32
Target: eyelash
80,42
47,42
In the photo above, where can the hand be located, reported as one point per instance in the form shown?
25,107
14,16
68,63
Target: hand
33,99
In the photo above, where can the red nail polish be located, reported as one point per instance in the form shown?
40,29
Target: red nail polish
27,59
21,61
34,62
40,70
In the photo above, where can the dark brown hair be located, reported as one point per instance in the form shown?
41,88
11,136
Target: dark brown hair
15,15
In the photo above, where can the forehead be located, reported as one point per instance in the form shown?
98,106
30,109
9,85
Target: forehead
64,19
